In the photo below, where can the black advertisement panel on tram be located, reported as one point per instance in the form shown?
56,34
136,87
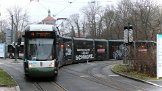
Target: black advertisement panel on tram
83,49
68,50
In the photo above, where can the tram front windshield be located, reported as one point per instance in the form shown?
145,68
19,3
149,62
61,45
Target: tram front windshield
40,49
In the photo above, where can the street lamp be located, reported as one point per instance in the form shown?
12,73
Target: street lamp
15,41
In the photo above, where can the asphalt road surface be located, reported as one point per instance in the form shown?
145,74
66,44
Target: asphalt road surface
93,76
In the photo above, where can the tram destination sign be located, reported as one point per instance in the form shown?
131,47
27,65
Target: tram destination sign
40,34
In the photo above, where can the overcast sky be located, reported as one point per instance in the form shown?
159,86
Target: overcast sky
38,10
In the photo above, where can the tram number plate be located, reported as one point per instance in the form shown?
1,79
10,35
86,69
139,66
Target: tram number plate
41,63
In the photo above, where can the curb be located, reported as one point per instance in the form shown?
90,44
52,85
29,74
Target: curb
140,80
17,88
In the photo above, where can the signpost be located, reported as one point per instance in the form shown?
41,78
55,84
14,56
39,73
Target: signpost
128,39
8,36
126,35
2,50
130,35
159,56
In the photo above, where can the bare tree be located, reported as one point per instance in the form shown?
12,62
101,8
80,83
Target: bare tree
142,14
92,12
69,28
3,27
20,18
75,20
147,19
84,27
109,23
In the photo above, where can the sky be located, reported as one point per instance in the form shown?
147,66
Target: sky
39,10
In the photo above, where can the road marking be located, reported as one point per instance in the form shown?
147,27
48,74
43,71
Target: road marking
113,75
100,75
1,63
84,76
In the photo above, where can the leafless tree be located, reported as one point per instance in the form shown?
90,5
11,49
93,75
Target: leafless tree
109,23
20,18
83,24
92,14
69,28
143,15
74,18
3,28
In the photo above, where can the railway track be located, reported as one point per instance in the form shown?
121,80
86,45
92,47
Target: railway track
113,77
103,79
52,86
90,77
110,81
94,73
37,84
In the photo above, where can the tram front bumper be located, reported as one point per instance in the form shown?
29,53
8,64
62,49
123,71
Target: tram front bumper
42,72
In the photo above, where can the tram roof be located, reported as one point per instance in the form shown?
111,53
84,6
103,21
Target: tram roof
120,40
83,39
146,41
39,27
100,40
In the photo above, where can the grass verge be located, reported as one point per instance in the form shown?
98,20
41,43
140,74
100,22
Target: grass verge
6,80
124,69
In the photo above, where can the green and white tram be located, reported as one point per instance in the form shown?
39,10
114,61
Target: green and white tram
40,58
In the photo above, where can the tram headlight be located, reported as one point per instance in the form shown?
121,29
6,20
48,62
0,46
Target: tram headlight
30,65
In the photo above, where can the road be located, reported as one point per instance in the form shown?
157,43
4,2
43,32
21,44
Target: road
93,76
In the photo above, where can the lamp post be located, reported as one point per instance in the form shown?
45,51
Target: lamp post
11,28
15,33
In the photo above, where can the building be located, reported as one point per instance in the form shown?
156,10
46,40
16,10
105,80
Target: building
49,19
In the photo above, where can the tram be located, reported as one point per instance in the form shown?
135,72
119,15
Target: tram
40,57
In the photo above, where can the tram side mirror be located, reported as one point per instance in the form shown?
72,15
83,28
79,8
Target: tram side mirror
19,41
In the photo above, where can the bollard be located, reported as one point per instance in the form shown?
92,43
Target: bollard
87,62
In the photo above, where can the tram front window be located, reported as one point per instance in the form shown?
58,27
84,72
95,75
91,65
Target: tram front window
40,49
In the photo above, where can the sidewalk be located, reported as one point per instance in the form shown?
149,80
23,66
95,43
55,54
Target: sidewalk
7,60
10,88
3,61
157,83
